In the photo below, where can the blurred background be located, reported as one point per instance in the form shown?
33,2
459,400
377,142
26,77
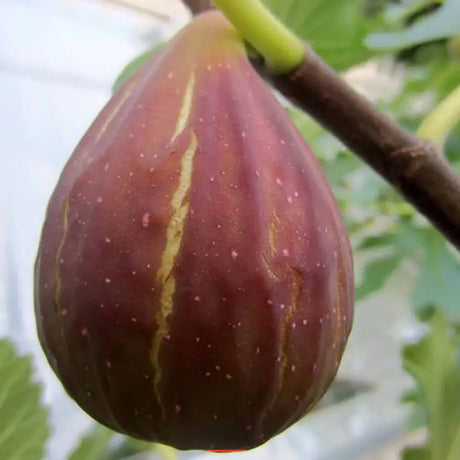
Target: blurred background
58,62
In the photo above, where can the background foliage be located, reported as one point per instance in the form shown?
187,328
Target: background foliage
418,40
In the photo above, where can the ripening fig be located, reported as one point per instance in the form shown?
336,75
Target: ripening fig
194,279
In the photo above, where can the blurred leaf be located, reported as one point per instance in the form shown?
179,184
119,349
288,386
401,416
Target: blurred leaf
23,421
452,147
336,29
310,129
431,70
418,417
376,273
130,69
402,239
442,119
167,452
94,446
402,11
438,280
443,23
377,241
366,189
129,447
432,363
409,238
454,453
416,453
339,170
136,445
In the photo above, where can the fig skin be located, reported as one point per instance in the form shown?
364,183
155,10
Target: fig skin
194,280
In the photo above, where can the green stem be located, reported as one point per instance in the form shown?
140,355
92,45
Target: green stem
281,49
437,125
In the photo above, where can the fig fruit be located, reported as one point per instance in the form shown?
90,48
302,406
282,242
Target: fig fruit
194,281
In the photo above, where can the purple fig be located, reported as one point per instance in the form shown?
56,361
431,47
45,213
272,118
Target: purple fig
194,281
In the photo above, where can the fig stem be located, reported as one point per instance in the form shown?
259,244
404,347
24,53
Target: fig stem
280,48
436,126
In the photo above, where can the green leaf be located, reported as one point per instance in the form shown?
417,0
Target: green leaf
443,23
23,421
401,12
167,452
309,128
432,70
416,453
101,443
130,69
409,238
438,281
441,121
335,29
377,241
432,363
94,446
418,417
452,147
129,447
339,171
376,273
454,452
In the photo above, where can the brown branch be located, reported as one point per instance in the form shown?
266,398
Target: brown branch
413,166
410,164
